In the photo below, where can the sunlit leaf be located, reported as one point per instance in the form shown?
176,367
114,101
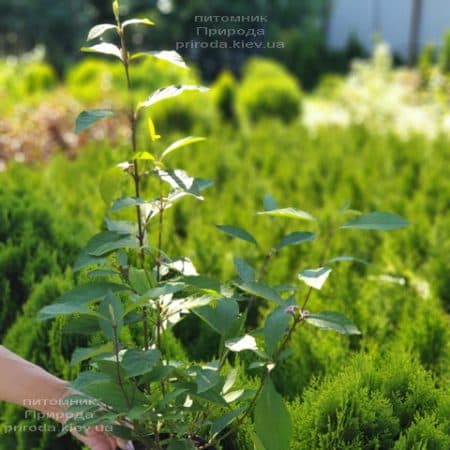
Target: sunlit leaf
169,92
181,143
290,213
315,278
105,48
137,22
99,30
332,321
240,344
170,56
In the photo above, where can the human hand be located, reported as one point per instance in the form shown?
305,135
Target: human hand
98,439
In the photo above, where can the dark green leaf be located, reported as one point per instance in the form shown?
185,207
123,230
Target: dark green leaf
261,290
219,316
180,444
244,270
377,221
275,328
271,414
139,280
223,421
81,354
137,362
111,311
108,241
237,232
333,321
126,202
78,300
202,282
88,118
296,238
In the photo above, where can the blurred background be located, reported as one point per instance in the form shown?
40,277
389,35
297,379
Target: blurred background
320,103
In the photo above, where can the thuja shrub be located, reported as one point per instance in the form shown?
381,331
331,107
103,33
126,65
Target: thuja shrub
368,404
267,91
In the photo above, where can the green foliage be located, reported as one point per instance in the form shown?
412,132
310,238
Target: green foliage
267,91
370,404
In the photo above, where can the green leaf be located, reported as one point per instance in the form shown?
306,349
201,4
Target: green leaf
168,92
202,282
332,321
104,48
237,232
290,213
219,316
78,300
126,202
275,328
170,56
296,238
348,259
244,270
88,118
181,181
143,156
138,362
82,354
240,344
261,290
139,280
137,22
271,414
377,221
111,312
223,421
269,203
99,30
315,278
108,241
180,144
180,444
206,379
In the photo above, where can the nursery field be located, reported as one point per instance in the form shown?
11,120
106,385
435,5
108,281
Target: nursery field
267,141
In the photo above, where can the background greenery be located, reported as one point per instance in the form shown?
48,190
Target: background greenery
386,389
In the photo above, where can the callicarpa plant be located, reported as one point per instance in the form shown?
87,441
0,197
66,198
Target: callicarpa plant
135,293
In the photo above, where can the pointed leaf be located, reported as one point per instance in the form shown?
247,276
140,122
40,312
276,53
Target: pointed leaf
88,118
108,241
244,270
143,156
237,232
296,238
315,278
275,328
77,300
169,92
223,421
181,143
138,362
104,48
137,22
332,321
81,354
377,221
126,202
170,56
271,414
111,312
98,30
290,213
220,316
258,289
